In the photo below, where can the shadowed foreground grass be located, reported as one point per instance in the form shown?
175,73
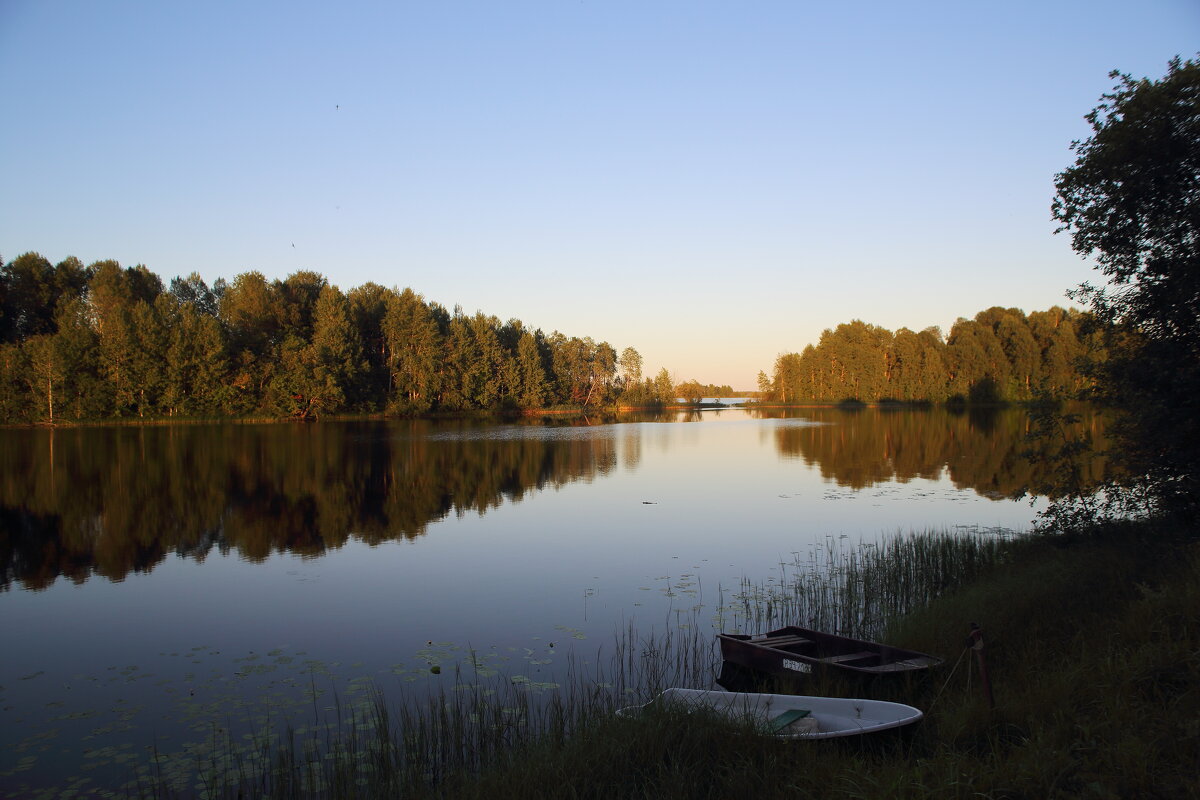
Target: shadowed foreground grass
1092,643
1093,647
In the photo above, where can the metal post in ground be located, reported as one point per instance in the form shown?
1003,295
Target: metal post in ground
975,642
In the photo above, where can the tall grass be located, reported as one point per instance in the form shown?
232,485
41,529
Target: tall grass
379,746
859,591
488,723
1093,643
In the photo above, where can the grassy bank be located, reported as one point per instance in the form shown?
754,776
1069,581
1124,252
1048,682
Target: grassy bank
1093,647
1092,644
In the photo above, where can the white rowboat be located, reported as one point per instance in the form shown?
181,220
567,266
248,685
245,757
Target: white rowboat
790,716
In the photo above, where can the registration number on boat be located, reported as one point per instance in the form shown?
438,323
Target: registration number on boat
796,666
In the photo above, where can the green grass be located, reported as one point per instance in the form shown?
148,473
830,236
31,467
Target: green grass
1092,643
1093,646
857,591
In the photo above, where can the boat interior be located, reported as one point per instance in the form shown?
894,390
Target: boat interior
827,652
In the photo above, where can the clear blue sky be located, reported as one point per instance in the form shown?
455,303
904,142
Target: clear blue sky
713,183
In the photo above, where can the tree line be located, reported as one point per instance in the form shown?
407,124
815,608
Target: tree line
693,391
1000,355
102,341
1131,202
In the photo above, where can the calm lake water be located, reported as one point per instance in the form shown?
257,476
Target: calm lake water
153,578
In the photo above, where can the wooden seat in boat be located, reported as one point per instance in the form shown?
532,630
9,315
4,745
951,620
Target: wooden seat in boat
849,657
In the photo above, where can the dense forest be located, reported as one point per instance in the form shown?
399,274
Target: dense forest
102,341
1000,355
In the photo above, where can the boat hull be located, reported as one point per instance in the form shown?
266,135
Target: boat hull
833,716
796,652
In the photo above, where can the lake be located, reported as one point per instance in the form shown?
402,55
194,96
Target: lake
155,579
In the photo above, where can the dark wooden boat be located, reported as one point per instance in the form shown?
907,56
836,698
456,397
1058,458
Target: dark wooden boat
799,651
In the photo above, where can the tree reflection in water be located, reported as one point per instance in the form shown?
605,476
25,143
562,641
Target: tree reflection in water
108,501
984,449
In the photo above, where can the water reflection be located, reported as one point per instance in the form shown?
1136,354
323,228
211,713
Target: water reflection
987,450
110,501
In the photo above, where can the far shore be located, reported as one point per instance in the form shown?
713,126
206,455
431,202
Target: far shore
504,415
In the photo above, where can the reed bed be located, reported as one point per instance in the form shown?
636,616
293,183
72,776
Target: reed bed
859,591
1093,647
1097,699
387,745
380,746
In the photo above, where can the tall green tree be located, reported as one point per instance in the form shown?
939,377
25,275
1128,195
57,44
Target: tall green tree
1014,366
1059,349
368,307
691,391
664,387
413,340
335,353
27,298
764,385
14,389
933,373
631,365
195,291
861,352
974,360
86,395
293,389
47,371
149,363
316,377
1131,201
532,372
296,306
485,373
604,372
120,301
789,374
581,368
250,313
905,366
248,309
197,363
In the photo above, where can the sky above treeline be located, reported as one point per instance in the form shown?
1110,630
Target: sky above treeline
712,183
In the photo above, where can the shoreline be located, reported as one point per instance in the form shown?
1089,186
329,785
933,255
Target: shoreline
508,415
